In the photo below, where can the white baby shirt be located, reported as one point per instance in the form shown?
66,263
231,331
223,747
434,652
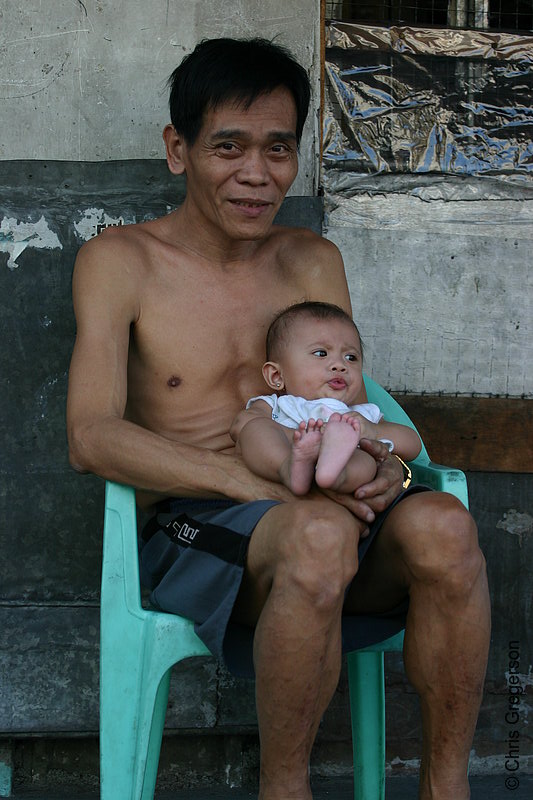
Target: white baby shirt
290,410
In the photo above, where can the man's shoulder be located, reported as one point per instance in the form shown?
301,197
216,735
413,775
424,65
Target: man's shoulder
119,238
312,266
119,249
300,244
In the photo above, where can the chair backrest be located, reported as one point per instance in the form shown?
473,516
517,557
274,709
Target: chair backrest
120,561
392,411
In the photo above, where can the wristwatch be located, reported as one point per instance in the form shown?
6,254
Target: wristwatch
407,474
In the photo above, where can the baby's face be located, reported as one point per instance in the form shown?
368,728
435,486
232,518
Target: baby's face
322,358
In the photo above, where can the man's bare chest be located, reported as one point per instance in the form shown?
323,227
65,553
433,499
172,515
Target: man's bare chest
203,334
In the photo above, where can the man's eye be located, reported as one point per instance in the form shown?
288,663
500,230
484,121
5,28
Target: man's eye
320,353
228,147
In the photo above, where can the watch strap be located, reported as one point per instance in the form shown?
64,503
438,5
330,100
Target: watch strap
407,474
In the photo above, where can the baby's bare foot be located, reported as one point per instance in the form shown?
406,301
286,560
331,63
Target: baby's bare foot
304,453
339,440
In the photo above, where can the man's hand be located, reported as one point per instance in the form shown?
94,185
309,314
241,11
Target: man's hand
377,495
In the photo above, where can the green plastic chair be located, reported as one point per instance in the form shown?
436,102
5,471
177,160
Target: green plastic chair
138,648
366,674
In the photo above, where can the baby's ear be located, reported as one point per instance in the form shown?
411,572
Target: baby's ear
273,376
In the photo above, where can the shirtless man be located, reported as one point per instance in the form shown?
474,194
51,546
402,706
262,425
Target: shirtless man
171,320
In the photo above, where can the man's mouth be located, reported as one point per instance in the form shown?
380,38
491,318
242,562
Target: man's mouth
249,208
250,203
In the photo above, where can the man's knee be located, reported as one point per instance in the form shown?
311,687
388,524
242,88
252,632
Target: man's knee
319,554
443,545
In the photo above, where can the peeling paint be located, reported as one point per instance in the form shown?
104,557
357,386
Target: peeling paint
16,236
525,680
494,764
516,523
93,221
228,773
478,765
45,321
46,391
398,766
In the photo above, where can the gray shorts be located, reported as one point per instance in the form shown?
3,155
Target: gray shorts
192,558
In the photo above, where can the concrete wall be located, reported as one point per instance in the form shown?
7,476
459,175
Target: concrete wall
86,81
441,281
83,104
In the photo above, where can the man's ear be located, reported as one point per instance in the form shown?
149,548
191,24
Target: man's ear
272,375
174,147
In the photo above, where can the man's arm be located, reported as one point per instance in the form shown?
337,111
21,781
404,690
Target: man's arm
106,292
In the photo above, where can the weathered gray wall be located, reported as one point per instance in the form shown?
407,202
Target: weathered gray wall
86,81
83,103
449,268
51,532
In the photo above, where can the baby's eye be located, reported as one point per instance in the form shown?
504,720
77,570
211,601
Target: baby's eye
350,357
320,353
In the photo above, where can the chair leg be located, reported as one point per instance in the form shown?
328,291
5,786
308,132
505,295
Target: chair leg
133,701
119,723
156,736
367,705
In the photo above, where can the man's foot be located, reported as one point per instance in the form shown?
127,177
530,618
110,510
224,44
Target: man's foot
339,440
304,453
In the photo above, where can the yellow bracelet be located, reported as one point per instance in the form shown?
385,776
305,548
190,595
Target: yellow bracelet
407,474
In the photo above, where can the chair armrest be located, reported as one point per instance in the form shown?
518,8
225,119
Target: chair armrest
443,479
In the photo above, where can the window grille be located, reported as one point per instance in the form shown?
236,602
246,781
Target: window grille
505,15
515,15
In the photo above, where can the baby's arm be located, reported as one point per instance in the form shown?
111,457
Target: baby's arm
258,409
407,443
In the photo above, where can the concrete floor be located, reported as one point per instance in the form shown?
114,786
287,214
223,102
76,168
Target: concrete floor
491,787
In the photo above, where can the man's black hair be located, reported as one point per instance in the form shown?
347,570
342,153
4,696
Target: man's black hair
219,70
279,329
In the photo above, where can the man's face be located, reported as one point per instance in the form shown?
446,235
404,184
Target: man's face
241,166
322,358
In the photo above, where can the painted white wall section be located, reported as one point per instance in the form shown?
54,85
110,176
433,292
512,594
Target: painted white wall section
17,235
86,80
442,291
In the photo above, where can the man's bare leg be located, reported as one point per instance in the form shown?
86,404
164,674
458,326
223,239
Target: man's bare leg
301,558
428,545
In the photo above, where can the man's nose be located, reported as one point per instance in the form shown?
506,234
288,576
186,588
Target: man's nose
254,170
